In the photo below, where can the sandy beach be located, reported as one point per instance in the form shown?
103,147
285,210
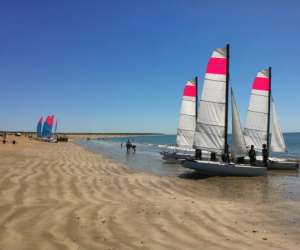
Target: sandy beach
60,196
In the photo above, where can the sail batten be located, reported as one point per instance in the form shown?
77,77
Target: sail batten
210,127
256,125
187,118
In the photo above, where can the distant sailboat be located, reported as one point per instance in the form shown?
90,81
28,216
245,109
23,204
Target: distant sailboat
212,123
187,123
261,118
39,127
47,127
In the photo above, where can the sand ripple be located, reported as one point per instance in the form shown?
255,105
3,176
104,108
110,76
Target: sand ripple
59,196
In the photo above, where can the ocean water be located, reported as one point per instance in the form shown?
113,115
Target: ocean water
147,157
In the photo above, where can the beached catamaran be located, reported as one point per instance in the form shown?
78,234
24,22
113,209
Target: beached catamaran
187,124
212,123
262,124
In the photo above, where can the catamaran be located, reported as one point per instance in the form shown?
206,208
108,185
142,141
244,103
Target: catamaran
262,119
211,132
187,124
47,131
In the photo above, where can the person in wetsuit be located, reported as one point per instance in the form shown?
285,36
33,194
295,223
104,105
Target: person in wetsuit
265,155
252,155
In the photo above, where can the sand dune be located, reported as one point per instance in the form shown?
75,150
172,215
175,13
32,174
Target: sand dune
59,196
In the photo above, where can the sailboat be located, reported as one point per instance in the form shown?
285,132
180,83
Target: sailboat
187,123
39,127
261,118
212,124
47,132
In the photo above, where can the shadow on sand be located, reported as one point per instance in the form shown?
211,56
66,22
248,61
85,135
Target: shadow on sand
193,175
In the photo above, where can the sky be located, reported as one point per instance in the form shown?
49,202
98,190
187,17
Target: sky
120,66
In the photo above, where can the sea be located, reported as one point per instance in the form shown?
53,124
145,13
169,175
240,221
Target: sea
275,186
147,157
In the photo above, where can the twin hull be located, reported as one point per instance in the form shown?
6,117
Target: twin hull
223,169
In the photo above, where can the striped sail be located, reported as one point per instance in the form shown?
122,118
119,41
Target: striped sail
210,127
277,140
238,141
39,127
256,126
187,118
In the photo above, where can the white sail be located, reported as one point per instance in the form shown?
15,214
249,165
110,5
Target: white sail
210,127
187,119
256,126
238,141
277,140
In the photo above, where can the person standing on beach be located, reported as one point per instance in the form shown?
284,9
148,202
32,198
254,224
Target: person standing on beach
252,155
121,144
265,155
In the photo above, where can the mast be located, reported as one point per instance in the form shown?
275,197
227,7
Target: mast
196,102
226,103
269,109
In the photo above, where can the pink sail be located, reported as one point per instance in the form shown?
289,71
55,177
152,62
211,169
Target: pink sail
210,127
187,118
255,130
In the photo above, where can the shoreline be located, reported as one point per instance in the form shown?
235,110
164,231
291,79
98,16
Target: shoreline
62,196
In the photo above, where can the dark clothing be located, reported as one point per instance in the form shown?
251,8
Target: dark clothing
213,156
198,155
240,160
265,155
252,156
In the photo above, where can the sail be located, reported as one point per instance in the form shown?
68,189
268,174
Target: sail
256,125
238,141
187,119
45,127
277,140
48,125
39,127
210,126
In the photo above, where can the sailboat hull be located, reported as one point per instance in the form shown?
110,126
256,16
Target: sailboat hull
277,164
283,165
175,158
211,168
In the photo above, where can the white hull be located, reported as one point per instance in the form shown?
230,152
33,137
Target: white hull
223,169
277,164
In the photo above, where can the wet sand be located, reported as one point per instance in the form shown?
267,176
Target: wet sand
60,196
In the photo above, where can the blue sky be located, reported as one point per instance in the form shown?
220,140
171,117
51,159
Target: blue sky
121,65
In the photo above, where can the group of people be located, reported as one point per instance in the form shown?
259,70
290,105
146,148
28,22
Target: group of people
226,157
129,146
252,155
